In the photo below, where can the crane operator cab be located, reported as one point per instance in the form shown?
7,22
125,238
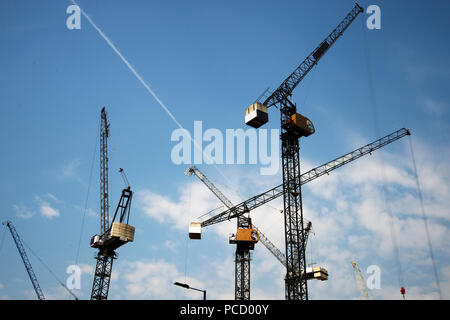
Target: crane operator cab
256,115
248,235
300,125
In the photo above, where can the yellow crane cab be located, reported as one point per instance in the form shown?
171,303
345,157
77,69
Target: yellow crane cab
256,115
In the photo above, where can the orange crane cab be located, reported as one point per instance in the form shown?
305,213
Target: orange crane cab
248,235
301,125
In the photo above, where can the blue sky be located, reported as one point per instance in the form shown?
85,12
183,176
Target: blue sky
207,61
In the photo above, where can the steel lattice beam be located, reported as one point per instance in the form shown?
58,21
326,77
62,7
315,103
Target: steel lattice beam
289,84
265,197
25,260
102,276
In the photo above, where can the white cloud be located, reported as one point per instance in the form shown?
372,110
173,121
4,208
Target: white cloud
170,245
194,201
46,209
350,218
69,171
435,107
153,279
22,211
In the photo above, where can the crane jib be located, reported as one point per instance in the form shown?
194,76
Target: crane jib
306,177
289,84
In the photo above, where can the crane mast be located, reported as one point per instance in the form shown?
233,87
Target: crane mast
113,235
25,260
104,175
295,282
105,258
242,254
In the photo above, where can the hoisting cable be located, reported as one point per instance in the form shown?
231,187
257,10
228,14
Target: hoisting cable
48,269
308,89
383,173
425,220
87,194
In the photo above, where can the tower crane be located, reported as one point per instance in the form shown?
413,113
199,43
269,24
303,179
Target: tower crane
294,126
25,260
243,242
265,197
360,280
116,234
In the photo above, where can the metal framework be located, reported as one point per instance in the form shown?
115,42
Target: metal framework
106,253
102,276
243,255
265,197
289,84
296,284
360,280
25,260
298,234
105,258
242,263
104,175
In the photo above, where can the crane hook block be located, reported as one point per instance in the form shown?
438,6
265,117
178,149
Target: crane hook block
256,115
195,230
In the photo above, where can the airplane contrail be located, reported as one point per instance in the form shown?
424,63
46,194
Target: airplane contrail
147,86
137,75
